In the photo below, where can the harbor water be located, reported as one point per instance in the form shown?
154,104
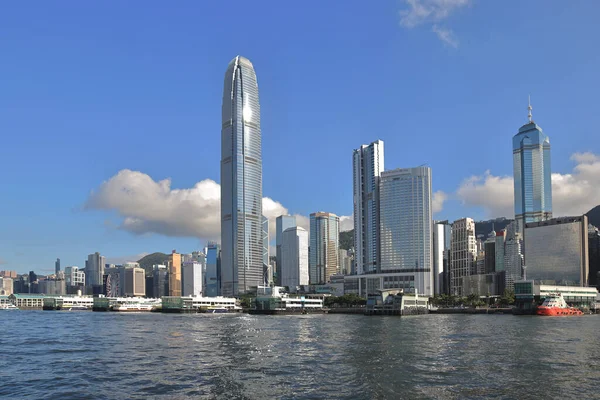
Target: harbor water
87,355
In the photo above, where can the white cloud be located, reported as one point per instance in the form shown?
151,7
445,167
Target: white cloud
148,206
438,200
119,260
493,193
446,35
572,194
431,12
346,223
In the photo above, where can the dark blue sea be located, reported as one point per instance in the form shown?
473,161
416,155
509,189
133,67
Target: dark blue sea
90,355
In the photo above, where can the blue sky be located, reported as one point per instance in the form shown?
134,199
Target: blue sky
88,89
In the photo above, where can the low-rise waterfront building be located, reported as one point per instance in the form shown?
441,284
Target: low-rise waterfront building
27,300
370,284
529,294
396,302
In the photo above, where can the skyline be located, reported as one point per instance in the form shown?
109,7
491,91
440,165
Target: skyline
60,114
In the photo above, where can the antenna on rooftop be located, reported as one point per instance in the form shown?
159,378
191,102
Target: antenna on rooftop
529,108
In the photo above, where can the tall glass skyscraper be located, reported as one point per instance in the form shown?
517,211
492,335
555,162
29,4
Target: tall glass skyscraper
241,181
367,165
532,175
323,254
406,225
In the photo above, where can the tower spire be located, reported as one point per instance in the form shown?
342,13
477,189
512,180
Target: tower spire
529,108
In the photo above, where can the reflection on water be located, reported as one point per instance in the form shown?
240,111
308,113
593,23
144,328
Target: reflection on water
112,356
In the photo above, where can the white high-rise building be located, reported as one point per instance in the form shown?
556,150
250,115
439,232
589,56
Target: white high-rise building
406,226
442,232
74,277
294,248
463,246
241,181
368,164
282,223
191,279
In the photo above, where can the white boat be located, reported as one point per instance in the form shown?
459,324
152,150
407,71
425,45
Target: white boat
133,307
8,307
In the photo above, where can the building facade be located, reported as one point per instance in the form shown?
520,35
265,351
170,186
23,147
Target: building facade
532,175
368,164
160,281
556,251
406,238
174,265
594,258
94,270
282,223
499,250
6,286
463,249
294,248
191,279
241,181
442,232
513,255
267,271
213,270
135,281
323,256
57,266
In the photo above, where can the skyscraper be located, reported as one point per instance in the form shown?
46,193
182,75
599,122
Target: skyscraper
532,175
442,231
94,270
367,163
267,272
213,270
323,255
294,270
282,223
463,252
57,266
513,255
241,181
406,225
174,265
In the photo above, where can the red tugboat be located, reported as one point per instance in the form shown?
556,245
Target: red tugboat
555,306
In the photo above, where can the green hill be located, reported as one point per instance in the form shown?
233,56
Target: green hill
594,216
148,261
347,239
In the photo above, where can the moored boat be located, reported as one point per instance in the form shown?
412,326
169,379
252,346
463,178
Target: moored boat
554,305
8,307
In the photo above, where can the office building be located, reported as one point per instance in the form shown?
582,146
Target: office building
160,281
489,254
594,258
345,261
463,250
57,266
213,270
556,251
513,255
94,270
6,286
8,274
532,175
267,271
192,280
52,287
491,284
323,256
241,181
282,223
499,250
368,164
442,232
174,265
135,281
294,248
406,225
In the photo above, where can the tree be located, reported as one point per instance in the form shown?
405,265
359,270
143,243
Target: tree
508,298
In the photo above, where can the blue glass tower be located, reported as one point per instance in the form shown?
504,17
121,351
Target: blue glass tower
241,181
532,175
